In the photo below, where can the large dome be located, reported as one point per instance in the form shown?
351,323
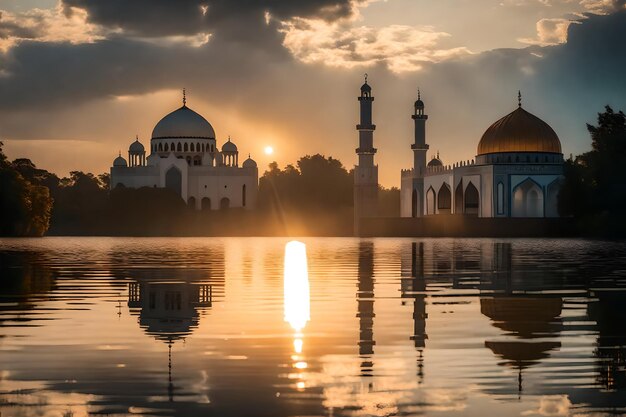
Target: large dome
519,131
183,123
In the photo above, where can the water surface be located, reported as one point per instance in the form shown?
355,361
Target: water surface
343,327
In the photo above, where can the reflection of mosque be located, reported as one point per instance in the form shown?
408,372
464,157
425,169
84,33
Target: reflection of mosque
169,303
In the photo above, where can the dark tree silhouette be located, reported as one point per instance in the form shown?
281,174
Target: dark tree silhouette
24,206
595,182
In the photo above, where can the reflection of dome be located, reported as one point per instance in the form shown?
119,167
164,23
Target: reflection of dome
168,310
136,146
183,123
528,317
249,163
522,354
519,131
119,162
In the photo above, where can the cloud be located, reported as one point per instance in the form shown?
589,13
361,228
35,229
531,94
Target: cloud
185,17
47,25
340,44
551,406
550,32
603,6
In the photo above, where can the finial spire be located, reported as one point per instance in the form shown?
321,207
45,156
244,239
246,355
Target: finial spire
519,98
437,154
366,78
120,153
419,94
184,97
137,137
229,138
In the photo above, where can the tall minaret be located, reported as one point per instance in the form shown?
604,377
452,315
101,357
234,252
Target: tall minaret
419,151
365,173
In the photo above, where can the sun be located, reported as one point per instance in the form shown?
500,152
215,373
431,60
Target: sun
268,150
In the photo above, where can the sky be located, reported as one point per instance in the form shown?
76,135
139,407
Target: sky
80,78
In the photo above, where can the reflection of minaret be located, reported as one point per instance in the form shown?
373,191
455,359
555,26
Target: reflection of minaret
415,287
365,300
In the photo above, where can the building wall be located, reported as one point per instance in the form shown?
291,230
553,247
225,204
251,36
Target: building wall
198,182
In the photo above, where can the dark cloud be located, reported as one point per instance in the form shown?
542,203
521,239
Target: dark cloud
186,17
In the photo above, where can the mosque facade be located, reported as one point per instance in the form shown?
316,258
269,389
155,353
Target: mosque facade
517,172
184,157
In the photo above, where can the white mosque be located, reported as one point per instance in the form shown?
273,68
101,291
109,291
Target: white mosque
184,157
517,171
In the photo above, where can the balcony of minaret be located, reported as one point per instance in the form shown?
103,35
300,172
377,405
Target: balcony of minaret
366,151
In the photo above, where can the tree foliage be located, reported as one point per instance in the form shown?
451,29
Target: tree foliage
25,206
595,182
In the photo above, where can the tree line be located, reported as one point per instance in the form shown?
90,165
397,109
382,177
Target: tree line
313,196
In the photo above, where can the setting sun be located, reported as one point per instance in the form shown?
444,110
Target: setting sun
268,150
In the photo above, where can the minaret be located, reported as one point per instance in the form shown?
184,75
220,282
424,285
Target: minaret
419,152
365,173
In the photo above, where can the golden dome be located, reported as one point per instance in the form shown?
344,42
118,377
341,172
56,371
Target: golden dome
519,131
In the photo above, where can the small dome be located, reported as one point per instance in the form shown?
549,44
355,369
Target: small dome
419,104
229,147
183,123
249,163
136,147
519,131
119,162
366,87
435,162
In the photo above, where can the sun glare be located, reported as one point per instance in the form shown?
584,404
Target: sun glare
268,150
297,304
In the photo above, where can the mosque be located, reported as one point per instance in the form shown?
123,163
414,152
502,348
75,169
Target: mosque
184,157
517,171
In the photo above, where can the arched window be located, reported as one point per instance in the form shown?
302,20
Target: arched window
203,147
166,148
444,199
174,179
471,200
192,148
179,148
500,198
186,147
197,147
458,199
430,201
172,147
243,195
191,202
161,147
224,203
205,203
552,195
528,200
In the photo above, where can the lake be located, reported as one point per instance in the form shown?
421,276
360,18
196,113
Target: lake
330,327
